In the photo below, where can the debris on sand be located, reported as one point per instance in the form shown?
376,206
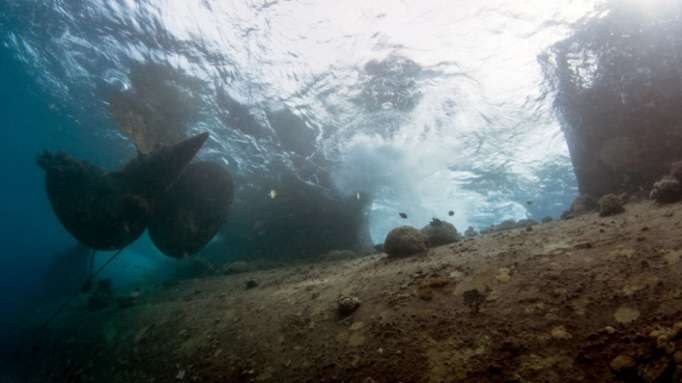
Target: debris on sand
337,255
346,305
424,293
426,287
583,245
437,282
474,299
626,315
470,232
180,375
582,204
251,283
656,360
560,332
610,204
503,275
440,233
666,190
623,364
405,240
129,300
125,302
510,224
238,267
505,225
527,222
101,298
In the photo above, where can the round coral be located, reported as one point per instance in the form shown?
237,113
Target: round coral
405,240
610,204
440,233
666,190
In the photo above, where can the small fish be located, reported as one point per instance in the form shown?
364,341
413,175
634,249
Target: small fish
273,194
357,196
529,202
451,213
402,215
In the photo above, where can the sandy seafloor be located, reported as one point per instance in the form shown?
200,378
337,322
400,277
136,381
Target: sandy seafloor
590,299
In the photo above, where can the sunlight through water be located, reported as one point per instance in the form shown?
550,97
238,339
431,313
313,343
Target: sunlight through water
427,106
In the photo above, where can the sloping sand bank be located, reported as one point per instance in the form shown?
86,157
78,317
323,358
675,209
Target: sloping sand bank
590,299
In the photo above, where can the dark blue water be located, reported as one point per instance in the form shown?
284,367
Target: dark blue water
30,232
31,236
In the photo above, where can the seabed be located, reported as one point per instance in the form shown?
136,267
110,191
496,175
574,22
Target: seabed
588,299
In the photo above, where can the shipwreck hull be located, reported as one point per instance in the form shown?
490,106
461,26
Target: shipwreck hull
619,91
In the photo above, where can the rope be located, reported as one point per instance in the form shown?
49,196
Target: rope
91,265
72,297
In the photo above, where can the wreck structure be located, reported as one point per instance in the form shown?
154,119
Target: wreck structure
619,91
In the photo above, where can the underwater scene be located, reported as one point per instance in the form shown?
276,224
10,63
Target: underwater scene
341,191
